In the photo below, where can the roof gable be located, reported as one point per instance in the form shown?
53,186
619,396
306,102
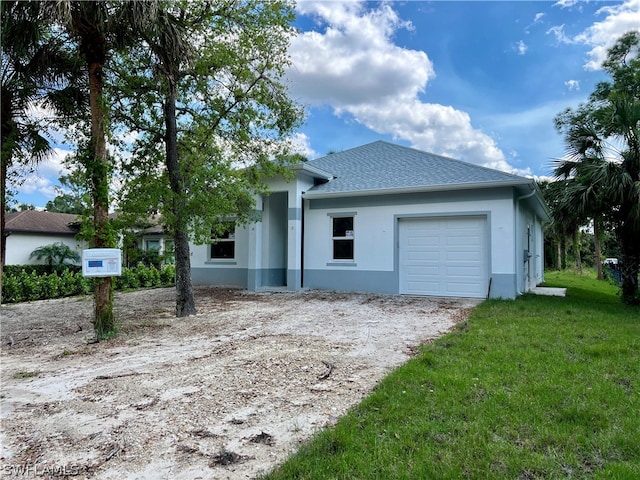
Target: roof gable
380,166
34,221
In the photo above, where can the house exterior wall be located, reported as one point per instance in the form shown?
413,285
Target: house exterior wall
375,266
20,245
269,251
529,242
260,248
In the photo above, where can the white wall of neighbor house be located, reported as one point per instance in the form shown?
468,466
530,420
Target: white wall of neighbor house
20,246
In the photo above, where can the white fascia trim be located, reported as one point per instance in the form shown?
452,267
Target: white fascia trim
391,191
313,171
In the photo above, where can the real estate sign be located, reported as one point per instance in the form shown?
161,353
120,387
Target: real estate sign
102,262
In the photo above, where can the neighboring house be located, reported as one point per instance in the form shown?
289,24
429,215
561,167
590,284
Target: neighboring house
145,236
154,238
30,229
387,219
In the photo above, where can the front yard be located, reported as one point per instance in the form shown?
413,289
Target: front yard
227,394
540,387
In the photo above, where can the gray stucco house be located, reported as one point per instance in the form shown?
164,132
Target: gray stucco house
387,219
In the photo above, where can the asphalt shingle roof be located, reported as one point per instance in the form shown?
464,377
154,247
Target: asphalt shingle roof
385,166
34,221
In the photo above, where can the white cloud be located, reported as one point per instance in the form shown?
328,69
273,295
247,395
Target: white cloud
538,17
558,32
520,47
354,59
565,3
300,144
602,35
354,66
572,85
41,178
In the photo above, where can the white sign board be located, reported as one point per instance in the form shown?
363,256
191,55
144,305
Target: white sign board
102,262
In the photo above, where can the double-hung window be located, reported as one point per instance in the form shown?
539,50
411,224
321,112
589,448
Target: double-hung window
342,237
223,242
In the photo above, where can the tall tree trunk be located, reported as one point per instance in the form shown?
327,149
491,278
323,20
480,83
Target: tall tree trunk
597,234
576,250
3,234
630,263
5,155
98,169
558,253
185,304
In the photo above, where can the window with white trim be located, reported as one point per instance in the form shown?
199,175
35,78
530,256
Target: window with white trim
223,242
153,245
342,237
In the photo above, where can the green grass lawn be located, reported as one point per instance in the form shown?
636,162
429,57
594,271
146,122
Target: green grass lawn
540,387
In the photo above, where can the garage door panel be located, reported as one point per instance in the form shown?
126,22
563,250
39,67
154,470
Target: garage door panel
444,256
462,240
424,271
423,242
462,256
416,288
459,273
424,256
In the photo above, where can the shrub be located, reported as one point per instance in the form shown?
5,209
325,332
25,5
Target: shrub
11,289
168,275
68,284
128,279
29,284
145,275
50,286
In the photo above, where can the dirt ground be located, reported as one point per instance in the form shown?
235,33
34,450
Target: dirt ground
226,394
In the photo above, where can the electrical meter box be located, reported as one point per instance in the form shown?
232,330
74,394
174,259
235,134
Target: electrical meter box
102,262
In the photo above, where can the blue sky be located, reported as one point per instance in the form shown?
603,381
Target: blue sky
477,81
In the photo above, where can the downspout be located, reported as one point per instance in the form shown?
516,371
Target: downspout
523,197
302,243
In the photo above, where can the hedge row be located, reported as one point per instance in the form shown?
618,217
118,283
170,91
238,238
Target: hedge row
28,285
12,270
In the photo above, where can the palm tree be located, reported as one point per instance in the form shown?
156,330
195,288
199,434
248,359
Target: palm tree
603,163
36,69
55,254
578,199
101,28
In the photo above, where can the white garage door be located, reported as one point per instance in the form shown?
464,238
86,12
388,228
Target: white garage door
444,256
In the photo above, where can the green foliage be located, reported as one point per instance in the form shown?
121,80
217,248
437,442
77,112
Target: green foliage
539,387
128,279
30,284
37,68
600,176
147,276
39,269
168,275
55,254
73,194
